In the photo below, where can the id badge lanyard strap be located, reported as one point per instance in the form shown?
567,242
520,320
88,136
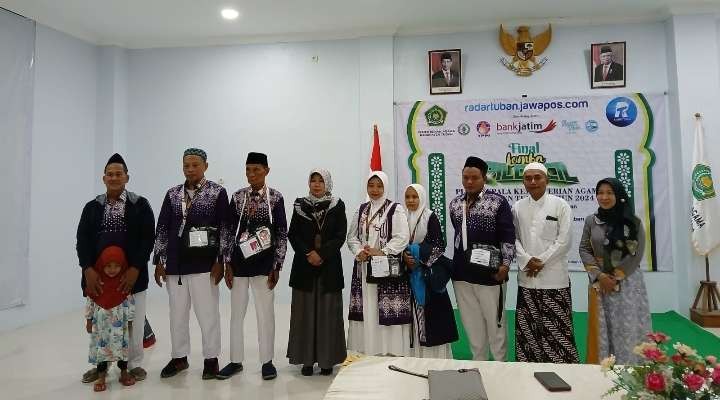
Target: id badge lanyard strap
465,244
320,224
417,223
380,211
187,203
465,217
242,208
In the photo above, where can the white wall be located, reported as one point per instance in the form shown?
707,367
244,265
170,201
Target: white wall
695,88
17,46
268,98
566,73
63,173
220,97
111,118
152,104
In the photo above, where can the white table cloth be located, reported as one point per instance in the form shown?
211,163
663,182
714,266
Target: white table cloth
370,379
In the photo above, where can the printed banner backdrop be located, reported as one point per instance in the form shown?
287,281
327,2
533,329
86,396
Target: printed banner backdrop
579,139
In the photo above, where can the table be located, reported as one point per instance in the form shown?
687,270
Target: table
369,379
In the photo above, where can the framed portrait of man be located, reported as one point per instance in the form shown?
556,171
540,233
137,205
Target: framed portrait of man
445,71
608,65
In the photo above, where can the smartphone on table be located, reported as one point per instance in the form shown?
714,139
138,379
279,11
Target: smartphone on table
552,382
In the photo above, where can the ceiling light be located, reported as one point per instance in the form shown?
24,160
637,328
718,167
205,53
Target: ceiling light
229,13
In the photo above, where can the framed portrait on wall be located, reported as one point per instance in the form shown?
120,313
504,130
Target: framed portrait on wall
445,71
608,65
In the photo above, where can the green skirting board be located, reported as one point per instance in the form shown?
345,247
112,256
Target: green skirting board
671,323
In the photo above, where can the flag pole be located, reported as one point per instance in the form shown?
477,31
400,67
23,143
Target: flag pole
707,259
707,268
706,308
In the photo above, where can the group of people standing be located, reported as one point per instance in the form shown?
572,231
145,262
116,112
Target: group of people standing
536,231
413,316
202,237
399,303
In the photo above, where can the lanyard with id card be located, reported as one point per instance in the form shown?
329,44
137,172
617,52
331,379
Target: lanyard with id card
483,256
196,237
480,255
187,202
251,244
317,241
382,268
202,236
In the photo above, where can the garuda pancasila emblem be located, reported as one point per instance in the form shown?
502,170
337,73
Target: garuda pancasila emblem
524,50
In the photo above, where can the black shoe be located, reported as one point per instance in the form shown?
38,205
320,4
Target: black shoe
307,370
210,370
174,366
269,371
229,370
326,371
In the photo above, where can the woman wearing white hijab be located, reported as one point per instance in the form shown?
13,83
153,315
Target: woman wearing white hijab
317,233
379,228
433,319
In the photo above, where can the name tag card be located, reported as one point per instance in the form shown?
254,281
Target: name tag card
250,247
197,238
380,267
253,243
480,257
265,237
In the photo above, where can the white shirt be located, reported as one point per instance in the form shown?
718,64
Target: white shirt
398,240
542,230
368,336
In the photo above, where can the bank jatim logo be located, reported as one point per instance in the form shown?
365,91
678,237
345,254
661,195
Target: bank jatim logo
516,128
550,126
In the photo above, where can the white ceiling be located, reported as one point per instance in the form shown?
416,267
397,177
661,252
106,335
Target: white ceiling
167,23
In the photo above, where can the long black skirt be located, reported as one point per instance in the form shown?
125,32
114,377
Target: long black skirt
317,328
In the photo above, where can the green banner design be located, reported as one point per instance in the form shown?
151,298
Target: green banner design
649,217
436,177
415,150
624,173
499,172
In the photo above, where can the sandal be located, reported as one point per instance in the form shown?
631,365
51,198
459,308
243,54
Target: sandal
100,387
126,379
90,376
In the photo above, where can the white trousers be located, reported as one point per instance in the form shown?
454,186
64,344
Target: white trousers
199,292
138,332
264,299
478,306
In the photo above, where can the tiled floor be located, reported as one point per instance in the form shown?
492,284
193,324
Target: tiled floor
47,359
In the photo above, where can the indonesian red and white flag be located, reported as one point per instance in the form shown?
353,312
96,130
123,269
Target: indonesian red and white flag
375,159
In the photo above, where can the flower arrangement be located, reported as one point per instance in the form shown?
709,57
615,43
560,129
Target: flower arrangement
662,375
